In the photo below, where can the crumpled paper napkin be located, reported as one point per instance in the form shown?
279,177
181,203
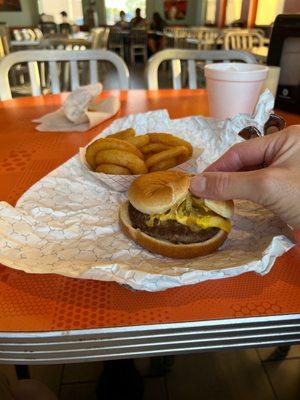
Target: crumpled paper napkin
78,113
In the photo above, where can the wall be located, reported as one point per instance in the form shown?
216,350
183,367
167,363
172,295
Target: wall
292,6
27,17
194,15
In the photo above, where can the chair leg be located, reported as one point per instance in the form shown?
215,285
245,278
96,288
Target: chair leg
279,353
22,371
43,74
132,57
66,76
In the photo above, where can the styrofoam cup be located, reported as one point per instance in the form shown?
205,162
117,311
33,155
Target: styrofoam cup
272,80
233,88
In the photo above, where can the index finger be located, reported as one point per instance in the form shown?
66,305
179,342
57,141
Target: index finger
250,153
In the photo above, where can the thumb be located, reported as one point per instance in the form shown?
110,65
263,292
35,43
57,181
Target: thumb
228,185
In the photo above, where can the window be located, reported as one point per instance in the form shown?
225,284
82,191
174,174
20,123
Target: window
54,8
233,11
211,8
113,8
267,10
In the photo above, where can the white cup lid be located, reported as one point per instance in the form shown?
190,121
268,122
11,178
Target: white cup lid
239,72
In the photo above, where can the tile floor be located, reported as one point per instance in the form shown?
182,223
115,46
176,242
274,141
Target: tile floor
229,375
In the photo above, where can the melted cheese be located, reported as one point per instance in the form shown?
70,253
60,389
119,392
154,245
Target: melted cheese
201,218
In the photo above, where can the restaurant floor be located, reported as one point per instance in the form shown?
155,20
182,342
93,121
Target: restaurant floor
137,77
227,375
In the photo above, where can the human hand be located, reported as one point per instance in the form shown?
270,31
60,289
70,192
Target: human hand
236,175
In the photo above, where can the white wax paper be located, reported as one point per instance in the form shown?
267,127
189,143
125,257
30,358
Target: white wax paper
67,223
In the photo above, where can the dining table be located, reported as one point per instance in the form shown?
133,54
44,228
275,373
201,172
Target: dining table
260,53
53,319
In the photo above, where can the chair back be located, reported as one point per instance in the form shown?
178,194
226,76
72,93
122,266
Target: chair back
242,40
17,35
175,56
100,38
4,41
48,28
138,37
38,34
65,28
209,34
115,37
65,43
28,34
52,58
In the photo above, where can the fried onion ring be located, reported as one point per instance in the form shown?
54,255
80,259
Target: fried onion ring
125,134
123,159
170,140
163,155
112,169
164,164
154,148
109,144
138,141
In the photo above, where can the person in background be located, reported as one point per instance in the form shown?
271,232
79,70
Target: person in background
138,21
64,17
65,27
156,40
122,24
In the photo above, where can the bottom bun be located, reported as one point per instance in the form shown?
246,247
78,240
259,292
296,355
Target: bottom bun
164,247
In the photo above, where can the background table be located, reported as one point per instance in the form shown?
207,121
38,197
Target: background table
54,319
261,53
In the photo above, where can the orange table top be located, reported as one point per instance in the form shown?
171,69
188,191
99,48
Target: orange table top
50,302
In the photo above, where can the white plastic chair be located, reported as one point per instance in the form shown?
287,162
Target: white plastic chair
4,41
191,56
52,57
38,34
99,38
241,40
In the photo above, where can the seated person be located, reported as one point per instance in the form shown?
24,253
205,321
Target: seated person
158,23
156,42
138,21
65,27
122,24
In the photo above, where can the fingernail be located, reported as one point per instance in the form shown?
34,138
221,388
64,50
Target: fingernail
198,184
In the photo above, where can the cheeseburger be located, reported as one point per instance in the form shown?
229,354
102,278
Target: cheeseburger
164,217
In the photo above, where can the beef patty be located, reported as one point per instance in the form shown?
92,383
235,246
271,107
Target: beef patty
170,230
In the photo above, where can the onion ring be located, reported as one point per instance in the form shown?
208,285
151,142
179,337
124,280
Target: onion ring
163,155
164,164
138,141
154,148
170,140
125,134
123,159
109,144
112,169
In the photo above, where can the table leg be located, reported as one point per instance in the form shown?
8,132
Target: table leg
120,380
22,371
279,353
